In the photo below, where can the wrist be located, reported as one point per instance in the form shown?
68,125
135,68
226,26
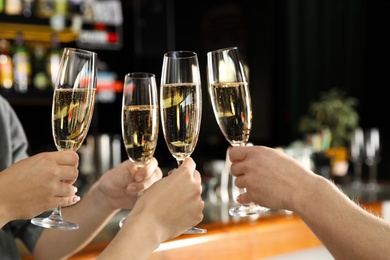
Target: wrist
99,199
126,245
307,192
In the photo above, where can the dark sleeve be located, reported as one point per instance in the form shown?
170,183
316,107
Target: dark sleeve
26,232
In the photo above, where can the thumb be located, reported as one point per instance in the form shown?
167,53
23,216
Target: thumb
243,198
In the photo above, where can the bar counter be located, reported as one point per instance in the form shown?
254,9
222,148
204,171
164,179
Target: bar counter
278,232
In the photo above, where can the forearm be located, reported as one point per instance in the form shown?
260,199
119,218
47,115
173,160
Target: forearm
346,230
91,214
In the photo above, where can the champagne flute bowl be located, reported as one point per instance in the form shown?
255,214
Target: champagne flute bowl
181,106
357,156
373,157
140,118
72,111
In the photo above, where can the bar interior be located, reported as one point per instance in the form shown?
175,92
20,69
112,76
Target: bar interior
301,57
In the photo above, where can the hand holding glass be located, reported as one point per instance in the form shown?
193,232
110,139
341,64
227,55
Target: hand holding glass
140,118
72,110
231,101
181,106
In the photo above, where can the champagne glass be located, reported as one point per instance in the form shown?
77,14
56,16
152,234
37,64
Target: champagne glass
139,118
373,151
357,155
181,106
72,110
231,101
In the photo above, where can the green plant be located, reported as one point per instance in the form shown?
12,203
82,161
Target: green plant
334,111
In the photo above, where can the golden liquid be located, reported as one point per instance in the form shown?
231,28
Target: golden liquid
181,116
140,131
233,111
71,117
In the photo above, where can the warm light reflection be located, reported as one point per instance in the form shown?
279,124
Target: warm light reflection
189,242
226,74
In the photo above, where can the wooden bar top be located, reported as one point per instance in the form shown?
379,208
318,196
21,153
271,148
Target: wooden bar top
234,239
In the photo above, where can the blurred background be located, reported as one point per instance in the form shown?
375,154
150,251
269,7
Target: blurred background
294,50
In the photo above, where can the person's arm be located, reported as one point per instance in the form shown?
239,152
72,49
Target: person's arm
346,230
102,201
37,184
165,210
275,180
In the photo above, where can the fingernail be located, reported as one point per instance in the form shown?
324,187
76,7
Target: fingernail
138,177
75,189
76,198
132,188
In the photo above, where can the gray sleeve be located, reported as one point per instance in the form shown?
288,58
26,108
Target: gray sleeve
13,140
14,145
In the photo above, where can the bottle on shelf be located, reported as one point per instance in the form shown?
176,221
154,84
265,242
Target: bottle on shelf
22,64
27,7
13,7
40,79
45,8
58,20
53,59
6,67
1,6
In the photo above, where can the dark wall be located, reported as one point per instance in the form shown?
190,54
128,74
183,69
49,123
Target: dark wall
152,28
294,49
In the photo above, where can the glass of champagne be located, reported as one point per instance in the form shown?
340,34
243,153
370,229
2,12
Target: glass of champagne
231,101
72,110
140,118
373,156
181,106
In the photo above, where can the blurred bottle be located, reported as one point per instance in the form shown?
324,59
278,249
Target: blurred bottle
58,20
45,8
61,7
1,6
75,7
13,7
53,60
27,8
22,64
6,74
40,79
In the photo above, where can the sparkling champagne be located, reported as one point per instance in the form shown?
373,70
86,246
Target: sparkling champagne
232,107
72,113
181,115
140,131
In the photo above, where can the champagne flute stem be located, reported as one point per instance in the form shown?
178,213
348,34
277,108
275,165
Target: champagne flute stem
122,221
179,162
139,167
56,214
243,210
357,181
372,182
192,230
237,191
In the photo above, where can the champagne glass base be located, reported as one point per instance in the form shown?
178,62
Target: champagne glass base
195,230
245,210
54,223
